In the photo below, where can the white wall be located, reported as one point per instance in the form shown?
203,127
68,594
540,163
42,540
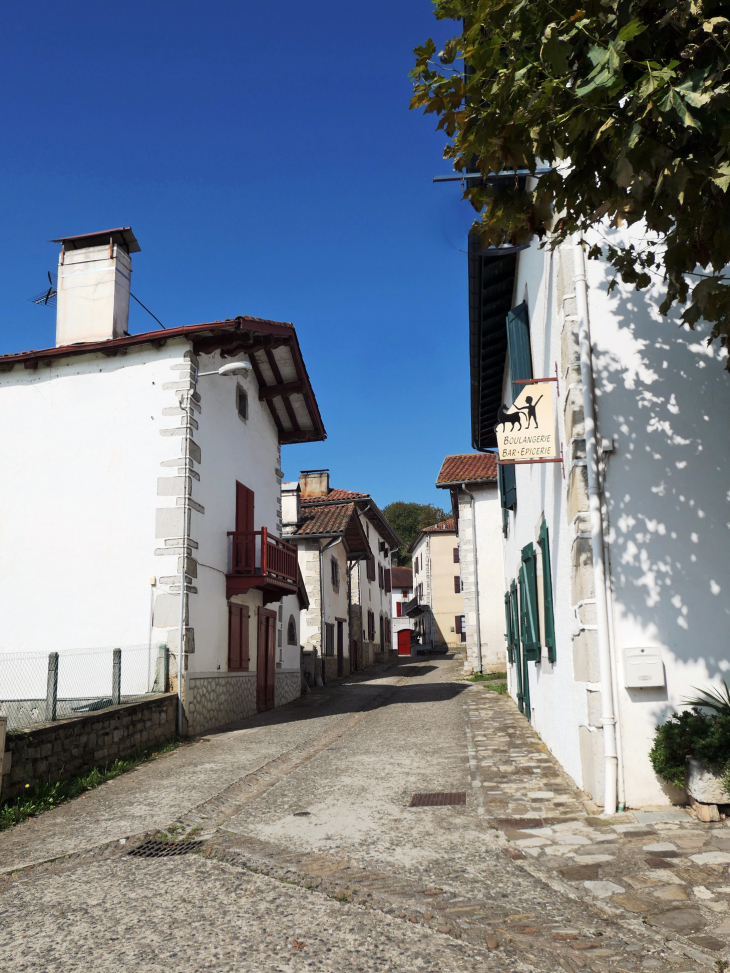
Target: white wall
664,398
488,517
231,449
372,596
78,492
335,599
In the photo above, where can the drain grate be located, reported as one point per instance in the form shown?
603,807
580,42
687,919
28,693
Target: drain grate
301,814
438,799
153,848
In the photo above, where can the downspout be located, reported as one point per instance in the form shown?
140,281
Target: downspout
184,398
476,576
608,717
322,550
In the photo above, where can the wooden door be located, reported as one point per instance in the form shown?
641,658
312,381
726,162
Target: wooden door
266,661
404,641
340,647
244,508
238,621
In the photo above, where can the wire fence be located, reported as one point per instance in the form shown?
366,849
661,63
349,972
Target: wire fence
40,687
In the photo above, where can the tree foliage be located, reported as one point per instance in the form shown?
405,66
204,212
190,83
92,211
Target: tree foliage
627,100
407,519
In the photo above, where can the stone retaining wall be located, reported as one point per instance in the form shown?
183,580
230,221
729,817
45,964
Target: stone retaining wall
217,698
288,686
67,748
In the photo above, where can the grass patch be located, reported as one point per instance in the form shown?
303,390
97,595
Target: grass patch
499,687
43,797
487,676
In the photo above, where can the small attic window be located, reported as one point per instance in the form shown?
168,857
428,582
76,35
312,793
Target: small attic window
291,632
242,402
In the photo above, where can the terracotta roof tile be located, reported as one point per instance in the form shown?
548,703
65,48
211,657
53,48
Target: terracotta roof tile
468,467
337,495
401,577
443,528
324,519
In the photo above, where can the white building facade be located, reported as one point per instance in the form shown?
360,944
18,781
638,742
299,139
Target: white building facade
126,456
471,479
401,594
662,403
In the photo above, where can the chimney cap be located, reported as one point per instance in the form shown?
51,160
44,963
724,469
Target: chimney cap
122,236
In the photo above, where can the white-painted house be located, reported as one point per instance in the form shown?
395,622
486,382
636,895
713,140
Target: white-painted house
471,479
597,662
402,584
344,542
125,453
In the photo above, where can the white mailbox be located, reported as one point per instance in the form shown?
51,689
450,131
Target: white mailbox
643,667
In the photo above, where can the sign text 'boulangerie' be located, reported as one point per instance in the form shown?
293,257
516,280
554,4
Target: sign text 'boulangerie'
526,429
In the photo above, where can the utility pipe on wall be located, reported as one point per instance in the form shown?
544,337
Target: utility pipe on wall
476,575
608,717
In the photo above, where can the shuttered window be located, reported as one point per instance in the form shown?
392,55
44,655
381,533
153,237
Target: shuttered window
398,609
507,487
371,567
508,627
456,555
387,580
547,587
457,584
518,343
528,605
238,621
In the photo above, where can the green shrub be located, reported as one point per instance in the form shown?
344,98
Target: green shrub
691,734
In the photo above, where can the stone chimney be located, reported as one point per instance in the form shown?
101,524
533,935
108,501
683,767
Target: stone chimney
290,493
314,483
94,279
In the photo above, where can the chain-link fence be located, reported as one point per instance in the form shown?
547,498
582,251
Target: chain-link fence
39,687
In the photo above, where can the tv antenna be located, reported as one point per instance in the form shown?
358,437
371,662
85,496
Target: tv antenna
47,296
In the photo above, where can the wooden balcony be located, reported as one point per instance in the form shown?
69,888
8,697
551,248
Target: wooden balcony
259,559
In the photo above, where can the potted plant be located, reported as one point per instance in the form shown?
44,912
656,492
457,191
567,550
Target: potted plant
692,749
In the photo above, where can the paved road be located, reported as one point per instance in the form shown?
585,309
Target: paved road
310,857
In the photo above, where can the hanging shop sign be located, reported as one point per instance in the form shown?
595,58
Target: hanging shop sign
526,429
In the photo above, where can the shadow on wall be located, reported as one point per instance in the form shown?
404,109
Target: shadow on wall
664,397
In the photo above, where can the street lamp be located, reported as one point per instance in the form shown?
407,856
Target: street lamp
231,368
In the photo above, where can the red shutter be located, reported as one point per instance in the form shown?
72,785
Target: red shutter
457,624
387,579
398,609
456,555
238,621
457,584
245,618
244,508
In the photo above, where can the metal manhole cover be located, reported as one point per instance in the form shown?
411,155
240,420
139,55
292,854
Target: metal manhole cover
163,849
438,799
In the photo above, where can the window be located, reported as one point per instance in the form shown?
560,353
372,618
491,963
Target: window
329,639
387,579
518,344
529,624
507,487
335,568
381,581
238,619
457,584
405,592
291,631
371,567
456,555
420,592
371,626
399,609
242,402
547,589
388,632
460,627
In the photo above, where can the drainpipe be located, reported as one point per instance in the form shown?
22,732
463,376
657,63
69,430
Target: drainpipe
476,575
322,550
185,398
596,523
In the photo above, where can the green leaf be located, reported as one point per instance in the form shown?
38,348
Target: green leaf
555,53
631,30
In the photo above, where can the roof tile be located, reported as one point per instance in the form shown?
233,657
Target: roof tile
468,467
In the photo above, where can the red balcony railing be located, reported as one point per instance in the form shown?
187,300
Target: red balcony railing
261,554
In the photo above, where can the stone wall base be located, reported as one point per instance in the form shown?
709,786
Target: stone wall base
288,686
68,748
216,699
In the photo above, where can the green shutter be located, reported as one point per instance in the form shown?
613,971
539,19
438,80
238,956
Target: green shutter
507,487
547,586
508,623
531,625
518,343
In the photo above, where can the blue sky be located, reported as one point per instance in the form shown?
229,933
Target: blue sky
265,156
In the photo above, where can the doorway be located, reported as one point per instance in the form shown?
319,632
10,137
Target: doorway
340,646
404,641
266,661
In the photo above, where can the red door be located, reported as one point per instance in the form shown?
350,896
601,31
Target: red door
266,661
404,642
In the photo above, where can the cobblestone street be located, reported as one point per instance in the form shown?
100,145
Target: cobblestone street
310,856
